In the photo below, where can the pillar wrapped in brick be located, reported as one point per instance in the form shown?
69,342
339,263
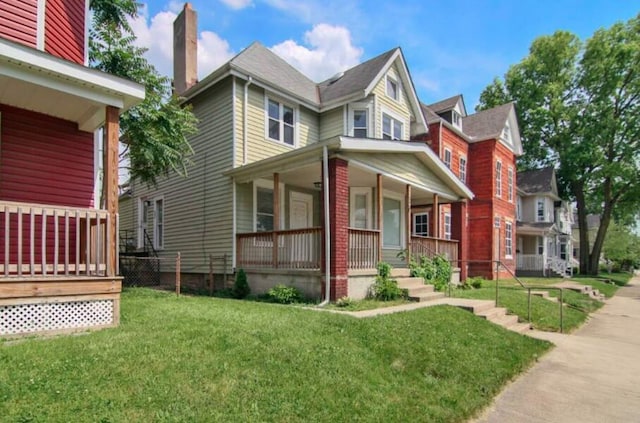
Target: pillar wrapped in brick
339,217
460,231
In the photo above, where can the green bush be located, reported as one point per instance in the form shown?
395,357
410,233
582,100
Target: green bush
241,286
385,288
436,271
344,302
476,282
284,294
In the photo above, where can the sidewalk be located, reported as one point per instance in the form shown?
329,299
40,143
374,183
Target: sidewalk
592,375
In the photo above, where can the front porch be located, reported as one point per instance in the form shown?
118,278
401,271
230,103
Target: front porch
372,199
542,251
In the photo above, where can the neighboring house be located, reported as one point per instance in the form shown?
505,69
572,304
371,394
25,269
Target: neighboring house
544,241
593,224
480,149
58,252
297,182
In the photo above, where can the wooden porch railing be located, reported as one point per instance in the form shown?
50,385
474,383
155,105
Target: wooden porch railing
363,248
41,240
430,247
296,249
529,262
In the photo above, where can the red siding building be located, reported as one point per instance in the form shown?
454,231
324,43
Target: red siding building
481,149
58,250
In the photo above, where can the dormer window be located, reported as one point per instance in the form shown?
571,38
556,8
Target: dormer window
360,123
393,89
456,119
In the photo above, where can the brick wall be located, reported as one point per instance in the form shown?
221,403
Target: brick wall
339,216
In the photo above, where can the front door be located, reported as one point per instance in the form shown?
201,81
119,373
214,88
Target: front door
300,210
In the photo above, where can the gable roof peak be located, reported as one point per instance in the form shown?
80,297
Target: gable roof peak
448,104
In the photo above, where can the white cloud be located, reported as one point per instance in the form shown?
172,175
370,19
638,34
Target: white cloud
330,50
237,4
156,35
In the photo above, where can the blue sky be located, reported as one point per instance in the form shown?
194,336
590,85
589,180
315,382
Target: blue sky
450,47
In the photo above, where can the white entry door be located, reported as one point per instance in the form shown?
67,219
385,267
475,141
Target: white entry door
300,210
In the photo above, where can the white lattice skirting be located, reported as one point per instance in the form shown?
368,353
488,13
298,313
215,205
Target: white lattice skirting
47,317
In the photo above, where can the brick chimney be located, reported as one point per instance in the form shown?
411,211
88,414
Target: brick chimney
185,50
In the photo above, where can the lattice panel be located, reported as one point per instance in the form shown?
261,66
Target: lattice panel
31,318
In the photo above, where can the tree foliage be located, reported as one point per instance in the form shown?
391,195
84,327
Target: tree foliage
155,132
622,247
578,105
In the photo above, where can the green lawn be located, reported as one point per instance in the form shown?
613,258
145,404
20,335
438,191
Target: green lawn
545,315
207,359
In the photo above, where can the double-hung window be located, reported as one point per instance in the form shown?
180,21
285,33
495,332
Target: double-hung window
447,226
421,224
463,169
510,184
391,128
447,157
264,209
498,179
281,122
540,210
393,88
508,240
360,123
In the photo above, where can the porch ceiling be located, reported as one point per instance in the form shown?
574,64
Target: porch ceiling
37,81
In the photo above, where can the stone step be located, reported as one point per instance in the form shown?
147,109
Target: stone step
400,272
426,296
520,327
492,313
474,306
505,321
544,295
417,290
409,282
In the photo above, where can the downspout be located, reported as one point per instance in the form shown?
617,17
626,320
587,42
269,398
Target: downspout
327,228
245,108
234,225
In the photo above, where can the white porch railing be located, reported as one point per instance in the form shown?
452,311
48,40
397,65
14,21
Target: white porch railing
41,240
530,262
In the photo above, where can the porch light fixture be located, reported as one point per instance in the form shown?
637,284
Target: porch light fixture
317,185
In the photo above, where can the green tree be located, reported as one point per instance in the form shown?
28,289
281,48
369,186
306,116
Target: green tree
622,247
154,132
578,105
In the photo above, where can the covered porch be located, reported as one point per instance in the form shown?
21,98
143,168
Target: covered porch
58,249
542,250
372,188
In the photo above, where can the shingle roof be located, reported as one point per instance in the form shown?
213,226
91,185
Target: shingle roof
264,64
355,79
429,115
536,180
487,123
446,104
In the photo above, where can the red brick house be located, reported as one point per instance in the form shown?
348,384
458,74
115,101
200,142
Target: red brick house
481,149
58,250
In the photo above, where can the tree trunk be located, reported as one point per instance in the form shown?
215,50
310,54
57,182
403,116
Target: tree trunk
594,258
578,191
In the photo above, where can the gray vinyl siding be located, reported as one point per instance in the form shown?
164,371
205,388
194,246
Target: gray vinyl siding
127,213
198,208
332,123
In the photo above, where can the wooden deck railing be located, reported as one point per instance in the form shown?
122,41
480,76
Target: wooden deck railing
430,247
529,262
41,240
296,249
363,248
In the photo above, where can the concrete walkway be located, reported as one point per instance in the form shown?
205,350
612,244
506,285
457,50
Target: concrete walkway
593,375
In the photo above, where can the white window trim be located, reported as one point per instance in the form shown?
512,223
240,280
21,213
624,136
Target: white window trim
352,200
140,228
519,208
508,227
395,116
460,173
544,209
360,106
444,157
155,222
265,183
498,181
415,232
510,184
447,233
398,197
398,87
458,124
296,121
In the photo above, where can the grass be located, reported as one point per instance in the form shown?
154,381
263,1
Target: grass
545,315
368,304
208,359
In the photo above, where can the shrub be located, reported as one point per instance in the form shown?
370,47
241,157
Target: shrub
476,283
385,288
284,294
241,286
436,271
344,302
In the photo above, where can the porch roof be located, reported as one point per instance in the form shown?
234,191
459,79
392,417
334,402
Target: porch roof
34,80
536,228
436,178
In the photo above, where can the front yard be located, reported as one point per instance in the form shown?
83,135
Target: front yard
208,359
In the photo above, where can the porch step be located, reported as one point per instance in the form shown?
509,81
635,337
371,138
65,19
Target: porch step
497,315
492,313
544,295
400,272
426,296
418,290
